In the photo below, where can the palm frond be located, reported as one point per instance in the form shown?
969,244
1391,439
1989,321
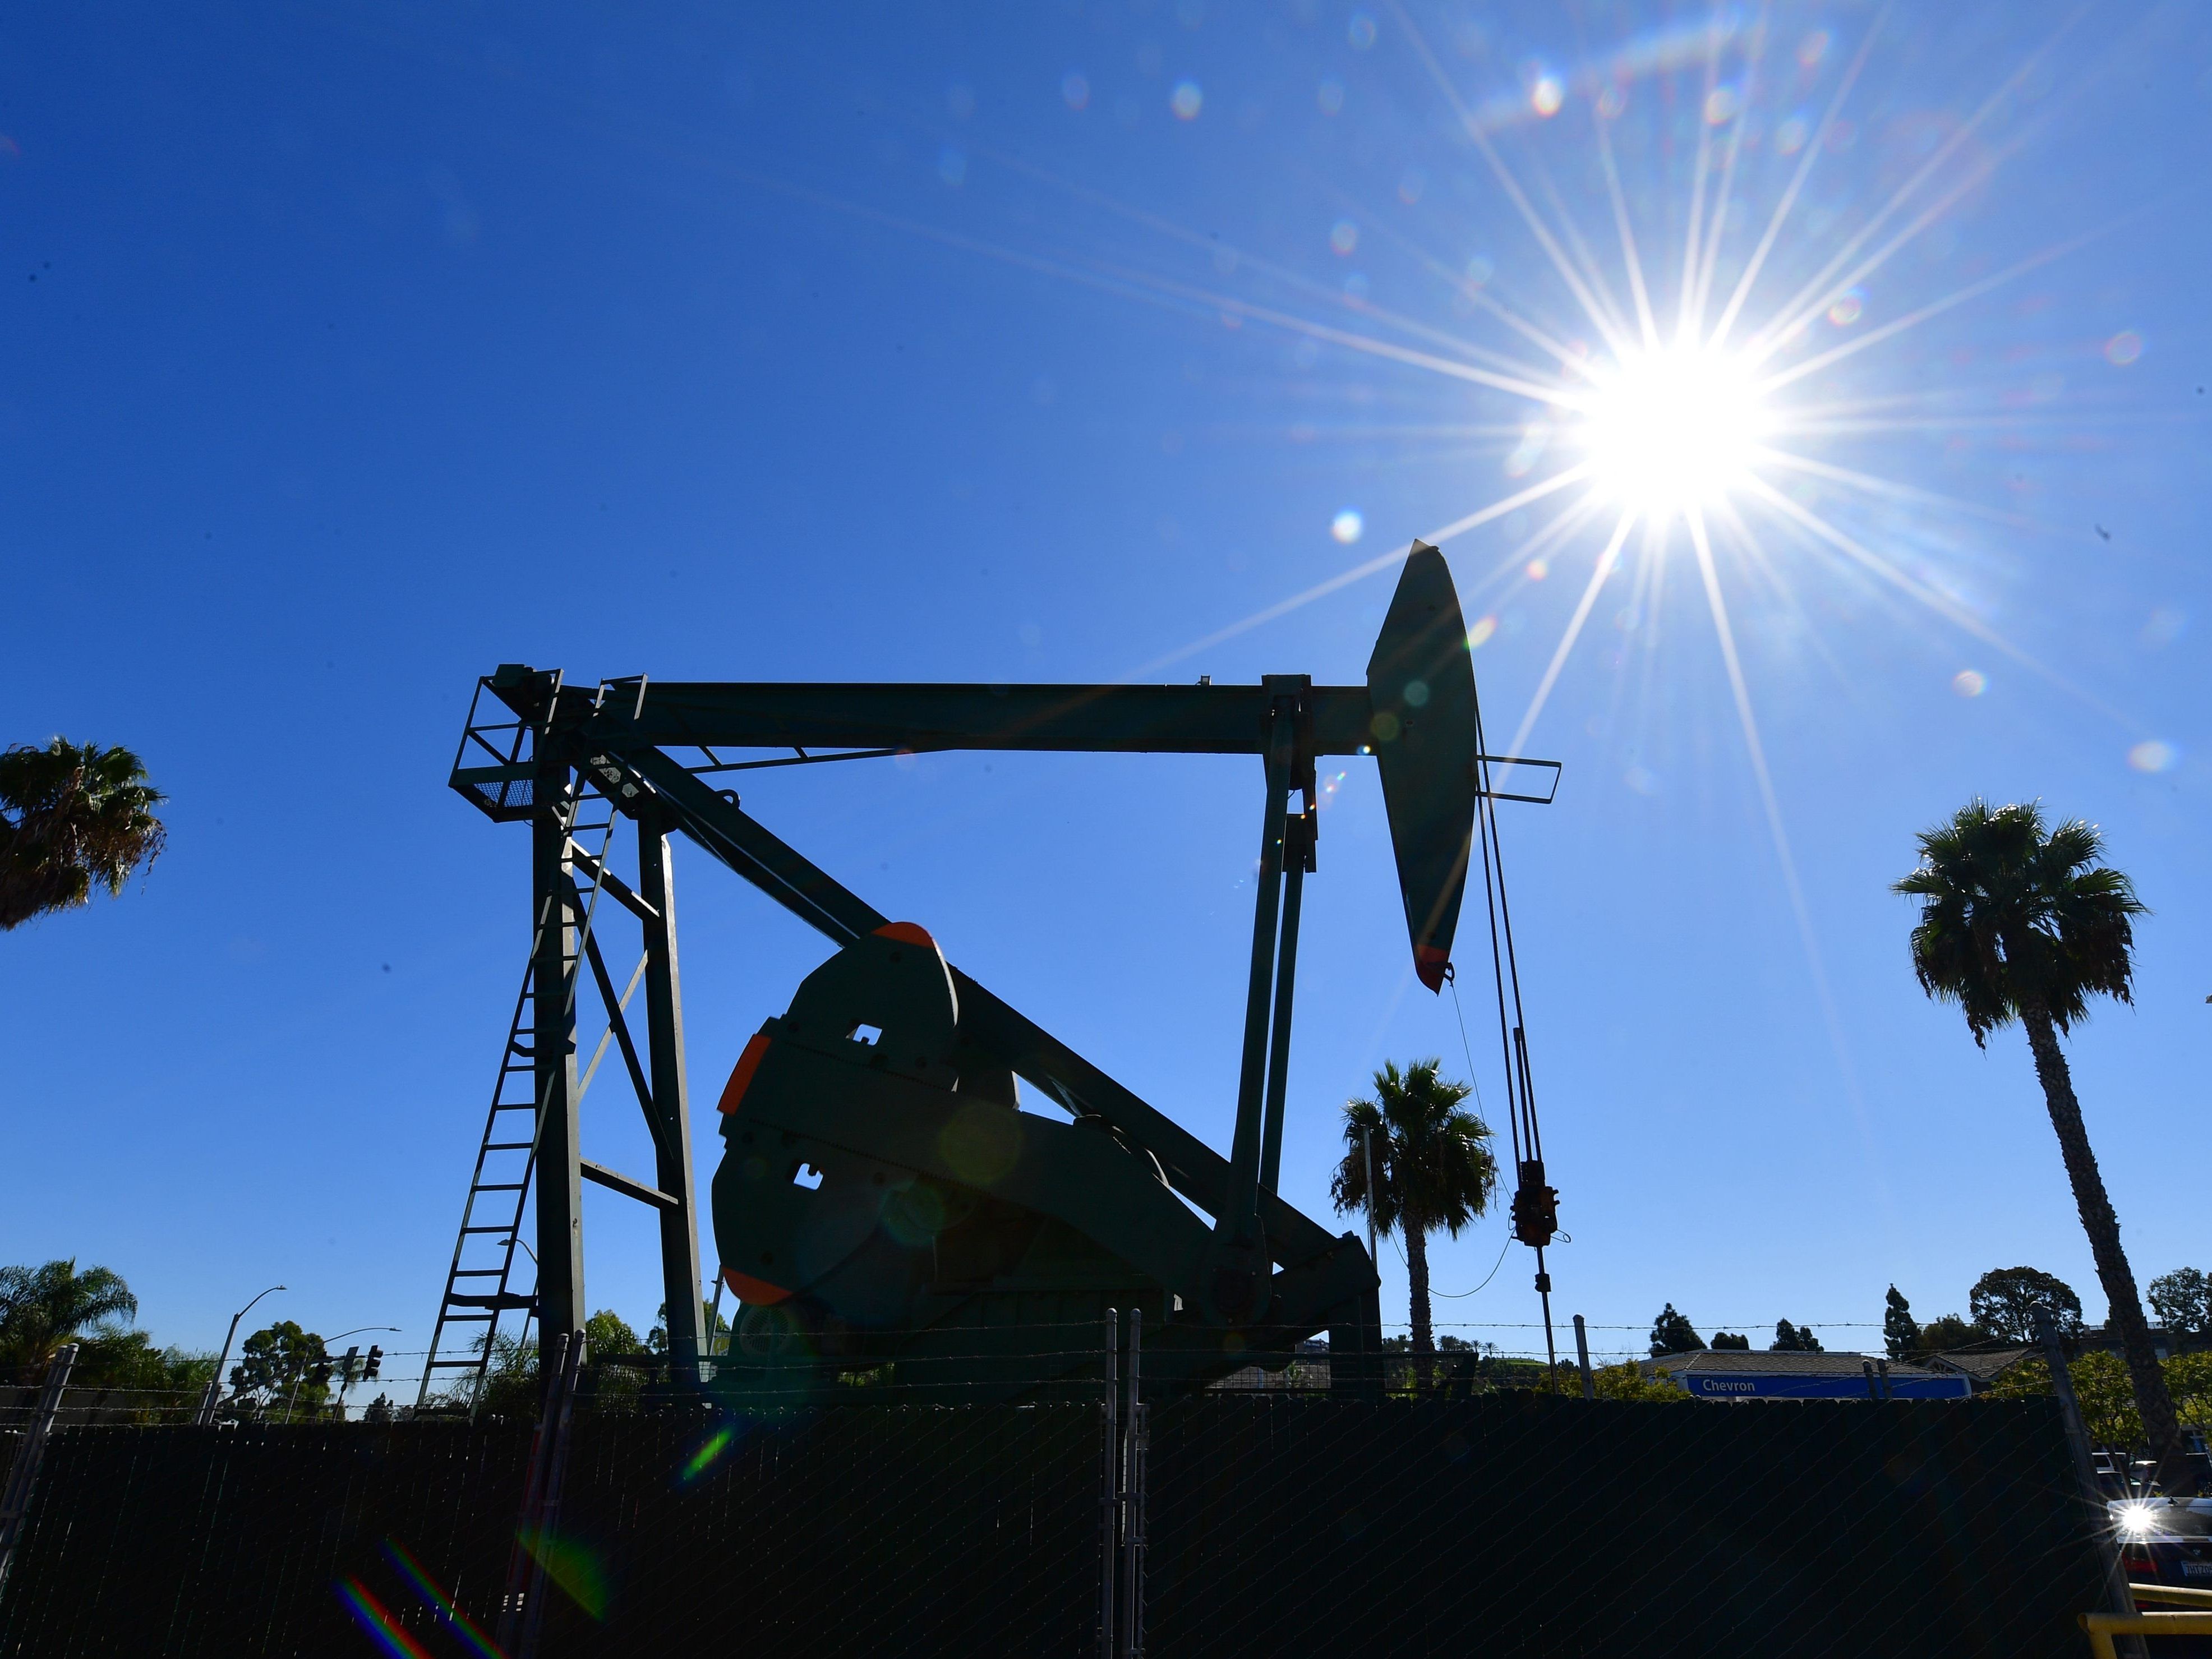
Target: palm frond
2013,915
71,817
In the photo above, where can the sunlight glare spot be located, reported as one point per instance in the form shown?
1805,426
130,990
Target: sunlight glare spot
1186,100
1850,306
1967,683
1546,95
1536,569
1346,525
1343,237
1672,428
1478,635
2123,348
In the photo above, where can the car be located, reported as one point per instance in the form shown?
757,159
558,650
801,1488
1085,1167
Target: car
2165,1540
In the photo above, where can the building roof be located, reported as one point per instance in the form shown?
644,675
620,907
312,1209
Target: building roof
1984,1365
1711,1362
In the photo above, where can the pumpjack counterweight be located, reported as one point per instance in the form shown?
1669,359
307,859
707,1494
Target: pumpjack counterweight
883,1197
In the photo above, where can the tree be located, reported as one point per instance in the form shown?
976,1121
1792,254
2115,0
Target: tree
43,1307
1433,1168
607,1332
2108,1396
1628,1381
282,1372
1898,1334
71,816
2183,1302
1730,1342
1793,1339
1948,1332
1672,1333
510,1382
2005,1301
2017,923
712,1327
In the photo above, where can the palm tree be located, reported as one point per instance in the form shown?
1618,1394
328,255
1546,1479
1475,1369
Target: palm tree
1433,1168
2016,923
43,1307
71,816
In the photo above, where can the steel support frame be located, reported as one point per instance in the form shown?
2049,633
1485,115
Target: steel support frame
553,1046
1238,1282
668,1109
564,951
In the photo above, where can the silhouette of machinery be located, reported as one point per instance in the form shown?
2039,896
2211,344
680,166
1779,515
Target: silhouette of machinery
884,1196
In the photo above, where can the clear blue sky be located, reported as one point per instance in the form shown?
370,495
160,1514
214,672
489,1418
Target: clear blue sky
351,352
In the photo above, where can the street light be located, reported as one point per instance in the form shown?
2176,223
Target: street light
214,1382
346,1387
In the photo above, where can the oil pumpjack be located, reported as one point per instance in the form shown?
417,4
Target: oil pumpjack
884,1197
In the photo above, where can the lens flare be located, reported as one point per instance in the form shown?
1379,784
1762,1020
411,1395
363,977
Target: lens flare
709,1453
440,1603
2152,755
578,1570
1672,430
373,1617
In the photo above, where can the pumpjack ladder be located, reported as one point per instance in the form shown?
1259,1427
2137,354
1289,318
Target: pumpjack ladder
469,1300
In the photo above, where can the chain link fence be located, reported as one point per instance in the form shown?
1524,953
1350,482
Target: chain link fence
1224,1523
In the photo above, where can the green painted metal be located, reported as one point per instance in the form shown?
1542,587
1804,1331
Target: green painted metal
887,1202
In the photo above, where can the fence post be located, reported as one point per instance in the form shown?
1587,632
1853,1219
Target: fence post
17,1503
1110,1486
1132,1497
556,1468
533,1487
2085,1470
1581,1358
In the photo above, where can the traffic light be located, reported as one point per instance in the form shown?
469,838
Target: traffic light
349,1368
375,1364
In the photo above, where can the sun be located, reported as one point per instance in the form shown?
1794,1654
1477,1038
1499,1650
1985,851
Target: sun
1672,429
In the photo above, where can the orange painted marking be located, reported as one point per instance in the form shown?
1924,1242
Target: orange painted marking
756,1291
1429,964
734,1091
906,932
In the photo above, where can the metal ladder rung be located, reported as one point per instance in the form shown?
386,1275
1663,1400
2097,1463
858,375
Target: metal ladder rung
507,1145
508,1231
465,1318
499,1186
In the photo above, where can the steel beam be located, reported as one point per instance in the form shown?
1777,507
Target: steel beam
1173,719
553,1048
664,1026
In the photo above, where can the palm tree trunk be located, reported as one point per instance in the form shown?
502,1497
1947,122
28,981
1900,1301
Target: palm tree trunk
2153,1403
1417,1278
